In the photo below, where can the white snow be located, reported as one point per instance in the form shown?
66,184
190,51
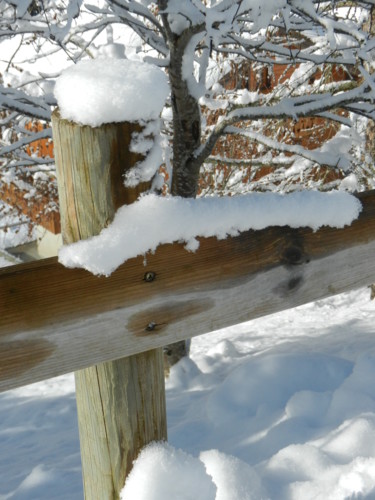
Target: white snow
163,474
14,231
147,142
182,15
262,11
280,408
155,220
98,91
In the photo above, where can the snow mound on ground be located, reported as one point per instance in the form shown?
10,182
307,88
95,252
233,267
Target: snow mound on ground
273,386
279,415
280,408
162,471
233,477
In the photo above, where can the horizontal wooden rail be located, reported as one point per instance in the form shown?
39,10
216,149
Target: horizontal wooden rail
55,320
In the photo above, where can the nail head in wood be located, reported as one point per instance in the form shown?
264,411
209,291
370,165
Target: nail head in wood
294,256
151,326
149,276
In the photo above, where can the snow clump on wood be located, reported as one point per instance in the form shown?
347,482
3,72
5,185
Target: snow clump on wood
101,91
154,220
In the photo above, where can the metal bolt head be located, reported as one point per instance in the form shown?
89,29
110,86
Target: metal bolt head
151,326
149,276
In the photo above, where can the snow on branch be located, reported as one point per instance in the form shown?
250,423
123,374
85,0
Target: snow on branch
50,19
198,43
17,100
21,143
294,108
142,21
305,105
334,160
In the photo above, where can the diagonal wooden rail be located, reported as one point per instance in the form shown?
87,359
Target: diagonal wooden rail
56,320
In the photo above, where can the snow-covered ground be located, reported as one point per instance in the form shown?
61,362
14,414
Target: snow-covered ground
281,408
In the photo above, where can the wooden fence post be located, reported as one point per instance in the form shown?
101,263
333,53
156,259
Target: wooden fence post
121,404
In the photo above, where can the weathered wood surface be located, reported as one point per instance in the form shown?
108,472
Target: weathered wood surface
120,403
91,163
55,320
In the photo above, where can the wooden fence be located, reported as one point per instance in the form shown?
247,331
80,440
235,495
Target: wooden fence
56,320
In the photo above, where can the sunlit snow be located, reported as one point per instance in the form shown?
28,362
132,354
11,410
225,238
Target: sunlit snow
280,408
111,90
154,220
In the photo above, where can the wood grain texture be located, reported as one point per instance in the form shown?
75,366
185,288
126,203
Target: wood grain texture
124,425
91,163
120,403
85,320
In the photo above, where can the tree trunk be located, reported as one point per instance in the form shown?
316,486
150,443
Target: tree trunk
369,26
186,111
121,404
186,133
186,140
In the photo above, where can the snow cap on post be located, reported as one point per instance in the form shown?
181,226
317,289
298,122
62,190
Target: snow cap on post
100,91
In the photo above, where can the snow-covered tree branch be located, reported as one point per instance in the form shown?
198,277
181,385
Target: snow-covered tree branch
292,49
